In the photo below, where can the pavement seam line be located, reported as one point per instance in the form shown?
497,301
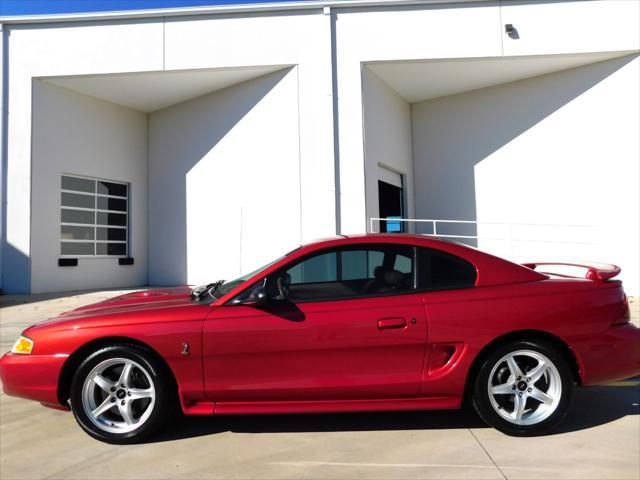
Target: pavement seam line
487,453
309,463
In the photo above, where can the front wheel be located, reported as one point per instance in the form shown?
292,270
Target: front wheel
523,388
120,394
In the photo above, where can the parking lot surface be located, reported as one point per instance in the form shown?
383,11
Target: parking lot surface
600,439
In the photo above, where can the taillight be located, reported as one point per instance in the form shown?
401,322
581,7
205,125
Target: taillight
625,314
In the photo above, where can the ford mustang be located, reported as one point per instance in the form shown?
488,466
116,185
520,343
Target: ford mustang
362,323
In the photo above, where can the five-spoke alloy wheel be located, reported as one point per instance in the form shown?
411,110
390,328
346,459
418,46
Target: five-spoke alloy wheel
523,388
120,394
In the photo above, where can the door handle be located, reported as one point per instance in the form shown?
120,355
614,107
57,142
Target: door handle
397,322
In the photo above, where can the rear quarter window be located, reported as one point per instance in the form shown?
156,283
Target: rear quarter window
439,270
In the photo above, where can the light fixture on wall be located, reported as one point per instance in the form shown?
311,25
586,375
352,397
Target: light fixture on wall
511,31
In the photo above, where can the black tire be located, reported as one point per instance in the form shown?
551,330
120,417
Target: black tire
155,378
484,405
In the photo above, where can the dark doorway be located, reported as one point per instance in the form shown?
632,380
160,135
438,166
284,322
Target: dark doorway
391,205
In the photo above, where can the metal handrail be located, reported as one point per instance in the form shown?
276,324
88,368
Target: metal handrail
510,238
433,220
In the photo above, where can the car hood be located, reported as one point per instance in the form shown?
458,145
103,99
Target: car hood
147,298
129,303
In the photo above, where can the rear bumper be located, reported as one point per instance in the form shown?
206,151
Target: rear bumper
32,376
610,356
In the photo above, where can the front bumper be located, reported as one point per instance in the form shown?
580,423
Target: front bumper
32,376
609,356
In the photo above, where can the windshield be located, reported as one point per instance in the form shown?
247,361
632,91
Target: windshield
228,286
217,290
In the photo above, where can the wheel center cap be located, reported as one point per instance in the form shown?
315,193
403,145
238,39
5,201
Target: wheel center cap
522,385
121,394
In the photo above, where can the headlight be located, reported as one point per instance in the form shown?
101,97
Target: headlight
22,346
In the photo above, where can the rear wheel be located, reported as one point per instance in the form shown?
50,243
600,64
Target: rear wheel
523,388
120,394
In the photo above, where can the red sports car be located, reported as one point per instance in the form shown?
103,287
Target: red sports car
374,322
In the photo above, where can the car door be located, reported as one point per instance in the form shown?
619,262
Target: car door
339,330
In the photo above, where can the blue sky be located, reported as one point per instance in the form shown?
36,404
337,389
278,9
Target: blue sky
38,7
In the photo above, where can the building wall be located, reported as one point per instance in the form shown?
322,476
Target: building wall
555,149
401,33
387,139
302,40
81,135
224,180
3,144
552,27
67,49
472,30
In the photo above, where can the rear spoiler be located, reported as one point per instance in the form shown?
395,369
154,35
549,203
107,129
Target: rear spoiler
595,271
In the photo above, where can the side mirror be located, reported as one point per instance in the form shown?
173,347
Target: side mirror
257,298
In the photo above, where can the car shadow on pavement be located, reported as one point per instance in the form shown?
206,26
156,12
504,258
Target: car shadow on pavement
591,407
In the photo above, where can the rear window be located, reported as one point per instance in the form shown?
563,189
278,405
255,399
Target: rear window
441,271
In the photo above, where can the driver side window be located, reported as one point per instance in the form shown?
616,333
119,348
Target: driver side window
347,272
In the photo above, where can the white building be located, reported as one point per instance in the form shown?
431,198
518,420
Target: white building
227,135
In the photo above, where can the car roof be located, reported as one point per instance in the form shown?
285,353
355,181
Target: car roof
404,238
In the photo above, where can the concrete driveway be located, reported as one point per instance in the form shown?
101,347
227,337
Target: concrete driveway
600,438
